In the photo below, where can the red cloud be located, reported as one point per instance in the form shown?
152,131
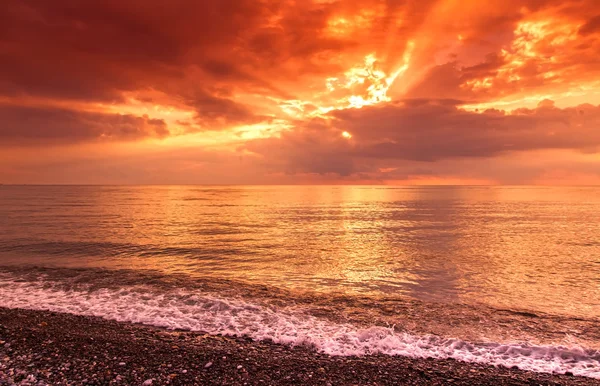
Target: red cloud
422,130
30,125
67,66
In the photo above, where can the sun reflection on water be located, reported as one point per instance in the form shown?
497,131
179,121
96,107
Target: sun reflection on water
510,247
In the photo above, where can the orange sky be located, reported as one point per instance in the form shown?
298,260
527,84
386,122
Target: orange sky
311,91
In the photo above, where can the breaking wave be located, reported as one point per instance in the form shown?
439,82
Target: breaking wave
210,313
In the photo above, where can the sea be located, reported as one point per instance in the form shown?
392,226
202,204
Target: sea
499,275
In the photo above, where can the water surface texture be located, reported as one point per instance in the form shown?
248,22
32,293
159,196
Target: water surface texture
502,275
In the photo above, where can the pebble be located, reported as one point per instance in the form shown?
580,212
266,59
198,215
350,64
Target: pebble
148,349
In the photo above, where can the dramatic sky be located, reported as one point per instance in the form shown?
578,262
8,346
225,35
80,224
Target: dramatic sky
300,91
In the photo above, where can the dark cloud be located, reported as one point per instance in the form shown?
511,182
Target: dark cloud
192,51
427,131
30,125
313,147
212,110
591,26
151,41
202,55
433,131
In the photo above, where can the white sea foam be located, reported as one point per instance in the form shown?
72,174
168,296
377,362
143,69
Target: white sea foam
214,315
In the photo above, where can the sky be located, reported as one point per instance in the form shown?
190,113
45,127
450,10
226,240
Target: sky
300,92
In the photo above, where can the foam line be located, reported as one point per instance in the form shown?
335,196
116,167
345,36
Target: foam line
187,310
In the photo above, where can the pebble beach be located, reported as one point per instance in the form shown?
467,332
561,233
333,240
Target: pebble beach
47,348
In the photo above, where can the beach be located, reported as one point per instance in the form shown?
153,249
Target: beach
338,285
316,192
43,348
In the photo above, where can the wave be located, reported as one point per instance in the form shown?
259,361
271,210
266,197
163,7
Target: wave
214,314
85,249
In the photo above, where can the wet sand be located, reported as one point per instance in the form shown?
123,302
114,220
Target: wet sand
41,348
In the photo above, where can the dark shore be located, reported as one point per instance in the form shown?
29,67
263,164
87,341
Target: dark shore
40,348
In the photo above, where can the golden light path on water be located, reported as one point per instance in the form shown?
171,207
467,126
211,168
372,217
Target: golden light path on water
514,247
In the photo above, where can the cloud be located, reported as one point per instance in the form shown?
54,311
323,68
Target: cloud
591,26
197,53
232,61
427,131
434,78
506,51
31,125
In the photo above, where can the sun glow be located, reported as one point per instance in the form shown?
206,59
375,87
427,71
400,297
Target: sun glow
346,135
368,83
365,84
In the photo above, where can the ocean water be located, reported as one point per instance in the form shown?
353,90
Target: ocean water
499,275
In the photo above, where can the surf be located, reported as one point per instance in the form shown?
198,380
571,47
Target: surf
194,310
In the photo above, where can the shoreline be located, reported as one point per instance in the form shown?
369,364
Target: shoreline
41,347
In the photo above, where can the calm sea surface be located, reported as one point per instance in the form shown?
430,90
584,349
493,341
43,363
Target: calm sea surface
489,267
